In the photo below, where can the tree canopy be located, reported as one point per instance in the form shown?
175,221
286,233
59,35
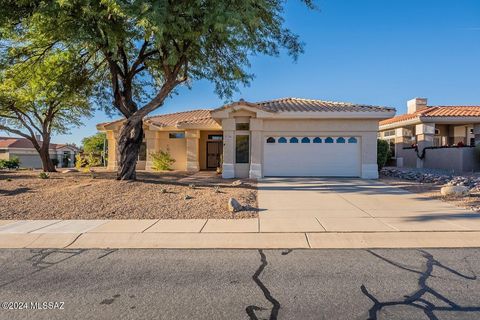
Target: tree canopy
145,49
94,144
49,96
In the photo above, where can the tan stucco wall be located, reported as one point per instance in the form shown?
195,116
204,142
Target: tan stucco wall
159,140
4,156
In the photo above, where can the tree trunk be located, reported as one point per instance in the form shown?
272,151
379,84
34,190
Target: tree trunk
47,163
129,143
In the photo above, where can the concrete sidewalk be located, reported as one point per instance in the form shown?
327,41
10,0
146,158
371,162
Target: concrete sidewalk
213,233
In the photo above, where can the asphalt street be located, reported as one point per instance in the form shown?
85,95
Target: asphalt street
240,284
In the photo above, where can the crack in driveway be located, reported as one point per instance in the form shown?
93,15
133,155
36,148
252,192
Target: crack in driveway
256,278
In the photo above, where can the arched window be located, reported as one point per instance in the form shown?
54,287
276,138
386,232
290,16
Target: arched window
317,140
329,140
293,140
352,140
305,140
271,140
282,140
341,140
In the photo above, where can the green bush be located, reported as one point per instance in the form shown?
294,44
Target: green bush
87,160
13,163
383,153
162,160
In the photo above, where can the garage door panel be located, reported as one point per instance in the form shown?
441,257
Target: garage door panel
312,159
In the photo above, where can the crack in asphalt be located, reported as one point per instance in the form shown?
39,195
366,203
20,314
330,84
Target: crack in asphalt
417,299
256,278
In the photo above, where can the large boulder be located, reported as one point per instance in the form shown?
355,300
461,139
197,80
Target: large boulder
234,205
454,191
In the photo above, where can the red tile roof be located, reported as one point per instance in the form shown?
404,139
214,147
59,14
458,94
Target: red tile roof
201,116
12,142
437,111
310,105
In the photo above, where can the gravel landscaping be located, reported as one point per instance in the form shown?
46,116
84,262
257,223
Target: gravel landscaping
428,183
165,195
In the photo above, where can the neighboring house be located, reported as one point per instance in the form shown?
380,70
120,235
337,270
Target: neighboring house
283,137
439,137
23,149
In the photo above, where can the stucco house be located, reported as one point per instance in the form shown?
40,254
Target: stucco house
282,137
439,137
23,149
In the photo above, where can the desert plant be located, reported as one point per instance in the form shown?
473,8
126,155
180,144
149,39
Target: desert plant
13,163
43,175
162,160
216,189
383,153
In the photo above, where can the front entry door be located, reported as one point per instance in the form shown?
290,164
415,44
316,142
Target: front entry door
214,150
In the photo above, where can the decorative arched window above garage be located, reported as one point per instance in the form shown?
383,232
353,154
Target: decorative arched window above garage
329,140
271,140
341,140
352,140
282,140
317,140
293,140
305,140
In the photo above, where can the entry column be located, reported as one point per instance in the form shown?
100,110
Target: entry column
256,136
193,145
425,134
228,166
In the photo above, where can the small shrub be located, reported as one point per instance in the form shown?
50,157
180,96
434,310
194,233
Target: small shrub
13,163
9,179
43,175
163,190
80,161
383,153
187,197
192,186
87,160
162,160
216,189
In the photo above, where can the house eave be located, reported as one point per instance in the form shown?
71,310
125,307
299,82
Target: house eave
439,120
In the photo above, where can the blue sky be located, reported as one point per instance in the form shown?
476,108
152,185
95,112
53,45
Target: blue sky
380,52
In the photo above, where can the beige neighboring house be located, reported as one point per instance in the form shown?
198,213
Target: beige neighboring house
438,137
282,137
23,149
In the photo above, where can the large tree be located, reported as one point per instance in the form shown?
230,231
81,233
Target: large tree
45,97
147,48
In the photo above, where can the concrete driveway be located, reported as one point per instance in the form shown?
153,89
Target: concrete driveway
353,205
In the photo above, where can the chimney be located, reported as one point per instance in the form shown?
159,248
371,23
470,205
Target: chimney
416,104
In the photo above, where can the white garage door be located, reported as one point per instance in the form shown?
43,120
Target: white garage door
312,156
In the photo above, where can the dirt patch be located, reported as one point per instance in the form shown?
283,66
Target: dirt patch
430,190
99,196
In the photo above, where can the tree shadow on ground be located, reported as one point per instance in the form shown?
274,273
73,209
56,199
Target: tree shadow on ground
14,192
418,298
